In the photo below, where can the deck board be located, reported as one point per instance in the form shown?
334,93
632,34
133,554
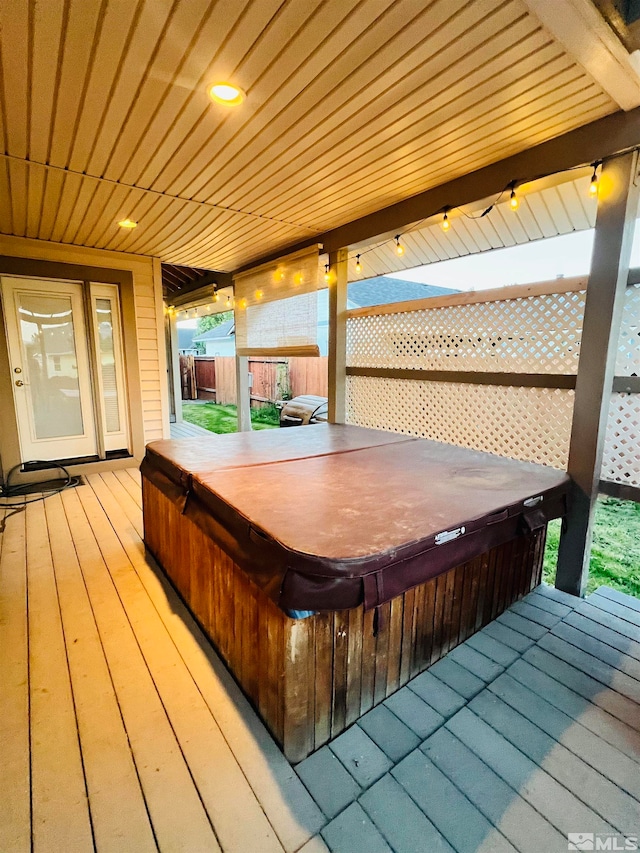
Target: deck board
15,825
119,721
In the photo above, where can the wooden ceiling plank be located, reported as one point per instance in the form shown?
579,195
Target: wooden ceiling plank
365,97
238,29
507,224
424,142
201,221
339,66
101,201
165,74
476,230
557,212
542,215
54,189
48,22
18,194
14,36
447,109
427,247
584,143
244,235
572,198
132,70
474,156
144,209
6,223
193,108
120,206
167,224
81,208
118,26
36,177
71,190
76,52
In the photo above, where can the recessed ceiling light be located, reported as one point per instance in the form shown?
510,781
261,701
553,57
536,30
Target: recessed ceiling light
225,93
127,223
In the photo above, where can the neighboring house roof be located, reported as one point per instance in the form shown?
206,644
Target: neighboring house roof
185,338
383,289
224,330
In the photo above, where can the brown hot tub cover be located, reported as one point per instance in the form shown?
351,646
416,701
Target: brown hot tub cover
325,517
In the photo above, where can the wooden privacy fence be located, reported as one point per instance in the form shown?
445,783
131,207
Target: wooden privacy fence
273,379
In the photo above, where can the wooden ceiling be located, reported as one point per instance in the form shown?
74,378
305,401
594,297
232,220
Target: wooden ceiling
351,105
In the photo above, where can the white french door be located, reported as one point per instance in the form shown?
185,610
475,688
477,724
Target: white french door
68,382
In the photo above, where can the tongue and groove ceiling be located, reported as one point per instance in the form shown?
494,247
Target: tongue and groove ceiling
351,106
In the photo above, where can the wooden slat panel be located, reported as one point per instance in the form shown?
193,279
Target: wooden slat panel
118,810
15,779
175,809
60,817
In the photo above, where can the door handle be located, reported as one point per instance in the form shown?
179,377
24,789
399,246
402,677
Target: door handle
19,383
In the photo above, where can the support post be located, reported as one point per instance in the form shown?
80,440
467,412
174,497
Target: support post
242,393
173,368
337,335
617,211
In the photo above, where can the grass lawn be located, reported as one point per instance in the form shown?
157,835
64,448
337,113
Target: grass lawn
615,556
223,419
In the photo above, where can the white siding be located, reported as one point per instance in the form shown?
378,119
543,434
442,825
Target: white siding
147,284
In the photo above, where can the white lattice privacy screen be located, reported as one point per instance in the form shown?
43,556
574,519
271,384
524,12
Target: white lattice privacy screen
533,333
533,424
621,462
537,334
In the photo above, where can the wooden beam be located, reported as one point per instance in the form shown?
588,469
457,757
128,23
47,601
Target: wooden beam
615,223
620,491
338,261
626,384
470,377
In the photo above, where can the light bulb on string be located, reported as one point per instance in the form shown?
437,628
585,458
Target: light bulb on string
215,296
399,246
327,276
228,302
358,264
513,200
445,221
593,186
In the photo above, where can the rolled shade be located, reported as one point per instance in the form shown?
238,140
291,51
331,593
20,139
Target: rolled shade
276,307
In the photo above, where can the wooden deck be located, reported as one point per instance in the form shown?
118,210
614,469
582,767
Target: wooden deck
120,730
187,430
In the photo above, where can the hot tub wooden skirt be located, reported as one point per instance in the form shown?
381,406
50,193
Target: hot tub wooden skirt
310,679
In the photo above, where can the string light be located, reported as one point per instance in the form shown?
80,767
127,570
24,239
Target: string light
259,294
327,277
215,295
228,302
514,203
513,200
593,186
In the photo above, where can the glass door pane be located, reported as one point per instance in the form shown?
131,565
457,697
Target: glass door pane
110,366
51,364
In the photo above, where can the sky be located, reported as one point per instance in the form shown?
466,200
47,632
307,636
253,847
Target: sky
542,260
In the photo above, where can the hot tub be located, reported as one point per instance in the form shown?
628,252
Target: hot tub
395,549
